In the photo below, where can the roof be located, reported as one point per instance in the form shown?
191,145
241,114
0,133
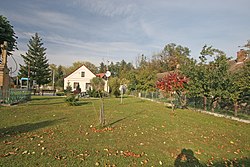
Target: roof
234,65
76,70
163,74
101,75
237,64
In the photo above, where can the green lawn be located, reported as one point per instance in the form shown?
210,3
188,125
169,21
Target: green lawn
48,132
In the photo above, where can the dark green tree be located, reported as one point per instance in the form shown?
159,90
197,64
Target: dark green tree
219,79
114,84
239,87
102,68
36,66
7,34
59,76
146,80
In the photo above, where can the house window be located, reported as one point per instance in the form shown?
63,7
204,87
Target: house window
82,74
76,84
88,86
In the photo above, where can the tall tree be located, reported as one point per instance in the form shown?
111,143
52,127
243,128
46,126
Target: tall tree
219,79
102,68
239,87
114,84
36,66
145,79
171,57
59,76
7,34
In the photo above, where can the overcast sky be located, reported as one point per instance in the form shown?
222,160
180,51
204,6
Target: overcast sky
112,30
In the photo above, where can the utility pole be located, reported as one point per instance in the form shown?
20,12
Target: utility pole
28,81
53,79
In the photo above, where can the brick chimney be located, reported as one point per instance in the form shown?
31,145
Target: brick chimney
241,56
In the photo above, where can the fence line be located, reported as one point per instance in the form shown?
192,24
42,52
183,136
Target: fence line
13,96
197,103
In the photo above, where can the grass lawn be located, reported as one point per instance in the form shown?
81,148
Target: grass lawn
48,132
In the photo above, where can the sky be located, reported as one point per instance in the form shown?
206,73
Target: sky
114,30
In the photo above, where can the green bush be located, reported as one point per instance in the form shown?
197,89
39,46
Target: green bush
60,93
72,100
93,93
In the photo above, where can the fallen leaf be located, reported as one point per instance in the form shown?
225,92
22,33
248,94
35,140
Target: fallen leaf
25,152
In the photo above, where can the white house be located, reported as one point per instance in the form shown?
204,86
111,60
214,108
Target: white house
81,77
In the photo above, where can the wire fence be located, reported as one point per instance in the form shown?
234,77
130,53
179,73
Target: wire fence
223,106
13,96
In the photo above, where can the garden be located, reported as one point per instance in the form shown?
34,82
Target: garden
46,131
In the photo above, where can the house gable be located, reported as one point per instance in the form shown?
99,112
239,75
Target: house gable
81,76
78,73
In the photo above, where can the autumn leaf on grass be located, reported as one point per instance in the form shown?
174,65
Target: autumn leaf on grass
131,154
144,161
7,142
7,154
198,152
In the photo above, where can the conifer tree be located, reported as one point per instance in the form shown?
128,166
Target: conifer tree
36,66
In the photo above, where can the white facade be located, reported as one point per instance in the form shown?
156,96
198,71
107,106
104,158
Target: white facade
81,76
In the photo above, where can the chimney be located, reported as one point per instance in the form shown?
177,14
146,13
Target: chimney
241,56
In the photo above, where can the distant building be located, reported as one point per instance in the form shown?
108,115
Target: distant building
82,77
239,62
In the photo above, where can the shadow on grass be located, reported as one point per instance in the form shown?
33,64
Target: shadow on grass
81,103
121,119
38,98
47,103
243,162
23,128
187,159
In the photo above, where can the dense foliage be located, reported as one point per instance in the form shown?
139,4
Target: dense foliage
173,83
7,34
36,66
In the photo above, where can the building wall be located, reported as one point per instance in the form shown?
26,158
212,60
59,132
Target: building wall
76,77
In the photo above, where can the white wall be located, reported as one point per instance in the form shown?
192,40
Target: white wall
76,77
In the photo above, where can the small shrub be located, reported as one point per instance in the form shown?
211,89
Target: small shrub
60,93
93,93
68,89
72,100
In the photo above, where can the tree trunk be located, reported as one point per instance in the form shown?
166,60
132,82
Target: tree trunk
235,108
214,105
184,101
102,118
172,104
205,103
